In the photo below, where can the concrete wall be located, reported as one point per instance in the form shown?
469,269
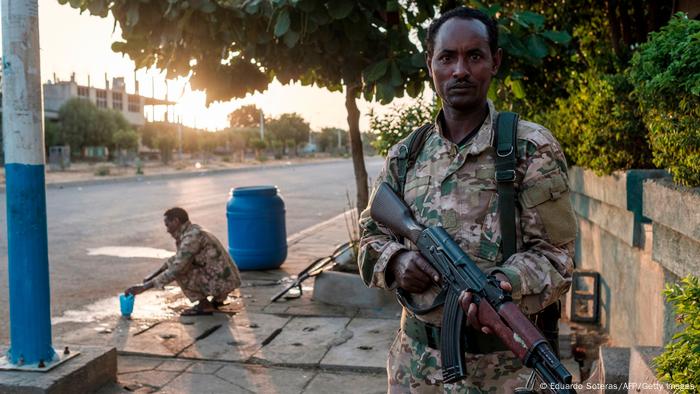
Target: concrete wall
639,233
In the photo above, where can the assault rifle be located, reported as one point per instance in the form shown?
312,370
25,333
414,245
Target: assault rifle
495,307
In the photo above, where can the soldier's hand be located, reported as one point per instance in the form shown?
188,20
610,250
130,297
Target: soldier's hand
134,290
412,272
472,309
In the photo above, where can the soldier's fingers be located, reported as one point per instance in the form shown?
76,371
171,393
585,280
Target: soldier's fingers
428,269
485,330
471,317
506,286
465,299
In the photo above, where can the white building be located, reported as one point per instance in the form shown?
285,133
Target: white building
56,93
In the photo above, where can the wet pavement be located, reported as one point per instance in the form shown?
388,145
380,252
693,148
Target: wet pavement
290,346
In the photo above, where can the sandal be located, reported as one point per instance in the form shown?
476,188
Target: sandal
218,304
196,311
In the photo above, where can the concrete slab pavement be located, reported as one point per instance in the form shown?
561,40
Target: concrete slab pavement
296,345
257,346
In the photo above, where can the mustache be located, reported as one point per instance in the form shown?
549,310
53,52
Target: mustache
460,85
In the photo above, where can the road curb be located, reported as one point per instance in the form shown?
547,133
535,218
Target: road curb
176,175
307,232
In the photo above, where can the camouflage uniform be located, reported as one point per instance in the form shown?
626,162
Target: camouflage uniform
455,187
201,267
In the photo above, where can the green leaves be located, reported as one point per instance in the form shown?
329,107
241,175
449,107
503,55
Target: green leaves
680,362
529,19
537,47
283,22
559,37
291,38
666,74
132,15
339,9
376,70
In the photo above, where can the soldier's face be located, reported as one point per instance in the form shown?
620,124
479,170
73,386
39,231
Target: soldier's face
172,225
462,65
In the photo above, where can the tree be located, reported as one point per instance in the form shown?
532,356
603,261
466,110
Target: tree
125,139
331,139
290,129
79,119
166,144
231,48
245,116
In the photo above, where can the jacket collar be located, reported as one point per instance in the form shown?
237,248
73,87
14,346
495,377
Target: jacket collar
182,230
483,138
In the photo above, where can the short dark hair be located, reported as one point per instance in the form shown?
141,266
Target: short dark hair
462,13
177,213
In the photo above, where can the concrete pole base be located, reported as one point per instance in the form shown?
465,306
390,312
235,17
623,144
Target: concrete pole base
93,368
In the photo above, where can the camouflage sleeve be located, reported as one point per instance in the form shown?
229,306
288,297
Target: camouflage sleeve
541,271
377,244
189,247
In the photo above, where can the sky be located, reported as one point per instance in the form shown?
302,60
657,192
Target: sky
80,43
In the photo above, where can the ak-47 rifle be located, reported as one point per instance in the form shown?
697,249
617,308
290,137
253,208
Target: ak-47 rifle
315,268
459,273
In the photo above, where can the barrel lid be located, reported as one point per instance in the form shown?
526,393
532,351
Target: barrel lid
255,191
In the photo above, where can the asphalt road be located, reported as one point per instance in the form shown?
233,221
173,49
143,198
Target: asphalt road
130,214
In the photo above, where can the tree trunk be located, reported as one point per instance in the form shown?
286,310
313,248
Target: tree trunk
614,26
358,158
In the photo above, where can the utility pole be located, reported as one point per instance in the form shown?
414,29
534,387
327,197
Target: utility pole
262,126
23,136
179,138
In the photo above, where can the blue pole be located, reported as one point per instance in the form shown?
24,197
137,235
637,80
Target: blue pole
23,139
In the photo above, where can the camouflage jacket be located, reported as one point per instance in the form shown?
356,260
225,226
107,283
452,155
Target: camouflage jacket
198,248
455,187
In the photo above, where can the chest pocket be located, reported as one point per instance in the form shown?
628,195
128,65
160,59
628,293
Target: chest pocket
416,194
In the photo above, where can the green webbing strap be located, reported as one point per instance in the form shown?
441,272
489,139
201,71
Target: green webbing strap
506,149
408,152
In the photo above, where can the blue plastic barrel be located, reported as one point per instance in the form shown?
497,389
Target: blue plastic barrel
257,236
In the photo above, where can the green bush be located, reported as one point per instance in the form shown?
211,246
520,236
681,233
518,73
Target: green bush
102,171
392,127
680,362
598,125
666,75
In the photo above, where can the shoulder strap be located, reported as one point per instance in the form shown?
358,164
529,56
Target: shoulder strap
506,150
408,153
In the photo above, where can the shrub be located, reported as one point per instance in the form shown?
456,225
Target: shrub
598,125
666,74
680,362
392,127
102,171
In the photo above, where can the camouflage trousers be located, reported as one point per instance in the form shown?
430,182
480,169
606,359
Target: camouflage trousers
198,283
415,368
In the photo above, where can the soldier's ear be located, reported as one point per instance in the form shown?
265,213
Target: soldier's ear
496,61
428,57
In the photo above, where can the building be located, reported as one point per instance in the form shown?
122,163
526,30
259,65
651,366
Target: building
56,93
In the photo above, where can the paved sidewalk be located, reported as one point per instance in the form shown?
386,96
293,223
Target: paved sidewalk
290,346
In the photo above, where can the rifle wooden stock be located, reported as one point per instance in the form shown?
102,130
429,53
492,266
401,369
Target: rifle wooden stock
388,209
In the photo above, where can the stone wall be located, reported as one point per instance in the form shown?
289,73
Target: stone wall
639,232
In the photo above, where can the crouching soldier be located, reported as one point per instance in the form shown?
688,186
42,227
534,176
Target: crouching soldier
201,266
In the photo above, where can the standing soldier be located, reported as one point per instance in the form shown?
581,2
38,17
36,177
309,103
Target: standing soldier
454,183
201,266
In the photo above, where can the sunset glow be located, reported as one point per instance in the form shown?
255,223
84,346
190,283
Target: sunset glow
81,44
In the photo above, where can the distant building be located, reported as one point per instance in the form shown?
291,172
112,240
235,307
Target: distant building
56,93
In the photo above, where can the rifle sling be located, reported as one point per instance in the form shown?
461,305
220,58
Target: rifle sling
506,149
